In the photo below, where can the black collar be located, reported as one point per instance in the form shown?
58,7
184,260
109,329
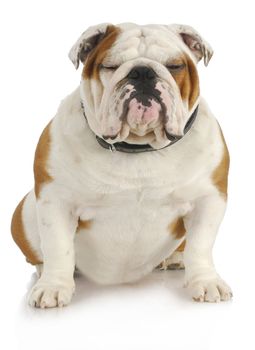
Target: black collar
136,148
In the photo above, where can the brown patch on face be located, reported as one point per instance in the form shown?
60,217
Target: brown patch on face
41,174
187,81
220,174
98,54
19,235
83,225
177,228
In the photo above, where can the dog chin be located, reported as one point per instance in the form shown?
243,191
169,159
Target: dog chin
155,138
137,139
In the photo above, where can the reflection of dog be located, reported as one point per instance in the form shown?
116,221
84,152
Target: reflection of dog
132,165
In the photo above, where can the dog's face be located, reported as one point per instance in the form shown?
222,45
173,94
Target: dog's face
139,83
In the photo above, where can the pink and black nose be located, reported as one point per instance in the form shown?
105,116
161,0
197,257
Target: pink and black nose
142,73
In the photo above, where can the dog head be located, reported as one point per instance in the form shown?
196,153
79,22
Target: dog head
139,83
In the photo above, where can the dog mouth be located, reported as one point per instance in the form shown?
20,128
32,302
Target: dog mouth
140,115
142,121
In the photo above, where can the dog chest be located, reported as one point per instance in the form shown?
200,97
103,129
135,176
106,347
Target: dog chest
126,240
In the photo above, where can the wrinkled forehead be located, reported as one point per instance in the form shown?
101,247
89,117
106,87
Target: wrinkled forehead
155,42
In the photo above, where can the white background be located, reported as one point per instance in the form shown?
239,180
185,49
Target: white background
35,74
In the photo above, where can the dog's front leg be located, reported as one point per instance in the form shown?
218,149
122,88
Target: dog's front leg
56,227
202,225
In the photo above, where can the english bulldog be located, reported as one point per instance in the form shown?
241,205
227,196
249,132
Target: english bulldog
131,174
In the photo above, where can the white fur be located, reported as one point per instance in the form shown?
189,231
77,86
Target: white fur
130,200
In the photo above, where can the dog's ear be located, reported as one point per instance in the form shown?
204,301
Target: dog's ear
197,45
86,42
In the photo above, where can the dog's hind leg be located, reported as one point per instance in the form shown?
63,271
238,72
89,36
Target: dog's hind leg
175,260
24,229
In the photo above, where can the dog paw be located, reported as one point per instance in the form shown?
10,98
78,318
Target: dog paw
48,295
213,291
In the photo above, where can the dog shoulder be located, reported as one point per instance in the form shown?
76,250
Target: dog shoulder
206,157
221,157
53,142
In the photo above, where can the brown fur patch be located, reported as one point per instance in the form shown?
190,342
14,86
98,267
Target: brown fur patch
220,174
19,236
97,55
83,225
177,228
187,81
181,247
41,174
